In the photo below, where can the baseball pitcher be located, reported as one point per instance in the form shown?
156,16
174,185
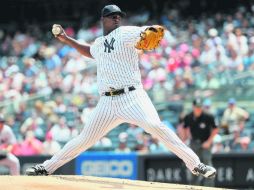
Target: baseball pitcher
123,98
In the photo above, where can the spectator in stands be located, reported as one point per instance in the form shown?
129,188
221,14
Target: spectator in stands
30,146
245,143
123,147
60,107
22,113
60,131
103,144
207,106
33,123
217,144
7,140
87,110
234,117
210,109
238,141
134,130
241,44
157,147
159,92
200,127
143,143
50,146
73,126
210,82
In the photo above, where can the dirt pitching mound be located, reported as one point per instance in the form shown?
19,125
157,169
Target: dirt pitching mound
85,183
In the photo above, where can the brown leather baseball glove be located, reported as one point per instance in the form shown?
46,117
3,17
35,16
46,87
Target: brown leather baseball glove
150,38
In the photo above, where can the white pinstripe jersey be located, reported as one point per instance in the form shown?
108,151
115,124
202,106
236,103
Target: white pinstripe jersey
117,58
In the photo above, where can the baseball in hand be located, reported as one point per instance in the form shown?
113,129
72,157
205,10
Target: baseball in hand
56,30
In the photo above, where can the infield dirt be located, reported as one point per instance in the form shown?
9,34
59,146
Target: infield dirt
85,183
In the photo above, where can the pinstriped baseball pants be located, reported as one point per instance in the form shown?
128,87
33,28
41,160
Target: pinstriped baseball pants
133,107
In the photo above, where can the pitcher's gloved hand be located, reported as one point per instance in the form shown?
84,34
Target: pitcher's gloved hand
150,38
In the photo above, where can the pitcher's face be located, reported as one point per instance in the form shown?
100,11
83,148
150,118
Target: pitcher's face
111,22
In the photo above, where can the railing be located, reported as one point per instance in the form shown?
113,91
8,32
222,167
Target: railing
30,100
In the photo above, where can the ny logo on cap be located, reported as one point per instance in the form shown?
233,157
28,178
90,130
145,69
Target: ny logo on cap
115,7
109,46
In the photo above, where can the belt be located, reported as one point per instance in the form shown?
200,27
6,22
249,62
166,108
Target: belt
114,92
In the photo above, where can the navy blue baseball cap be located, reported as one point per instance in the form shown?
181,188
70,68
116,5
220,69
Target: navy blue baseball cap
198,102
112,9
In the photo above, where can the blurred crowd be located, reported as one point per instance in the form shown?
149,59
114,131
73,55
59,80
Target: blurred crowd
52,88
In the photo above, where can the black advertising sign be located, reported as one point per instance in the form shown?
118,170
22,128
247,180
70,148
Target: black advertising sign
233,170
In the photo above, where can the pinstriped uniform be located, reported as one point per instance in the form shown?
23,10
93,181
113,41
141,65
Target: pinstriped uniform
117,67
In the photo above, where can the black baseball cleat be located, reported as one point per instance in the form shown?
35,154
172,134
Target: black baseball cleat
204,170
36,170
